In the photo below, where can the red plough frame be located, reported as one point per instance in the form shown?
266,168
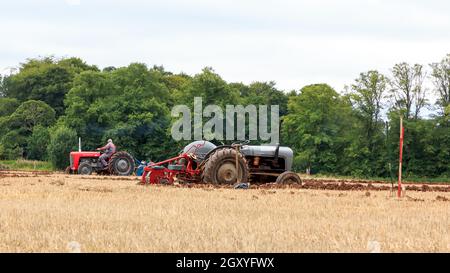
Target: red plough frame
164,172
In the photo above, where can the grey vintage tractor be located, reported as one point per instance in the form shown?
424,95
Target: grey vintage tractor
202,161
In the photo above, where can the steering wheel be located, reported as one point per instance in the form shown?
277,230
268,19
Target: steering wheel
240,143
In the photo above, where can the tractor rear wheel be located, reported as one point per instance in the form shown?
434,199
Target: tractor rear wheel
85,168
221,168
289,178
121,163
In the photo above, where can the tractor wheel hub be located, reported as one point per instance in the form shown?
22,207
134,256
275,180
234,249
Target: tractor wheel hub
227,173
122,165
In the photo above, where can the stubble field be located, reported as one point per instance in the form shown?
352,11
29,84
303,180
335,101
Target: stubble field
43,212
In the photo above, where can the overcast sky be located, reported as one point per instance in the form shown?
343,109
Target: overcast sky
293,43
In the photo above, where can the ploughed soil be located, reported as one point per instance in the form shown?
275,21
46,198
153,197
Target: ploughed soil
308,183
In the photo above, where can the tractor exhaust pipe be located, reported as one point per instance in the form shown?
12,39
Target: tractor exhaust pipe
79,144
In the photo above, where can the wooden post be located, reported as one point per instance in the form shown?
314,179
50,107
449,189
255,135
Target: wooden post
402,132
237,164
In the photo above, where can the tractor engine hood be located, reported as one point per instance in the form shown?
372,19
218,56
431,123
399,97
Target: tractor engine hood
85,154
269,151
266,151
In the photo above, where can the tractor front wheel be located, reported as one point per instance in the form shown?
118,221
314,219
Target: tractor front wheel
289,178
121,163
85,168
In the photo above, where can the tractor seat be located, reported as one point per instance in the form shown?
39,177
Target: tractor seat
175,167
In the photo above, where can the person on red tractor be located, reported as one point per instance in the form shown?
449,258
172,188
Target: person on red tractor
109,149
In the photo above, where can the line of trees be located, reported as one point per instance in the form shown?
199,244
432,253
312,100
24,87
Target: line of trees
49,102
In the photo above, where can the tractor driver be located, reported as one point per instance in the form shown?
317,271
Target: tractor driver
109,149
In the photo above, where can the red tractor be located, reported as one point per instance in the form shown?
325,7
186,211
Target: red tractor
85,163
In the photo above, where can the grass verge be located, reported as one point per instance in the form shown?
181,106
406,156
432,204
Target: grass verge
26,165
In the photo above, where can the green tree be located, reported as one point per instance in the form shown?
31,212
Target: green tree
63,140
176,83
30,114
441,79
128,105
441,143
207,85
426,151
37,143
317,128
369,90
18,126
8,106
45,79
368,150
75,65
408,92
261,93
12,145
264,93
2,86
210,87
109,69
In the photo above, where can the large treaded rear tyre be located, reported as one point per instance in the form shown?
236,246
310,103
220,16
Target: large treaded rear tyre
221,168
121,163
